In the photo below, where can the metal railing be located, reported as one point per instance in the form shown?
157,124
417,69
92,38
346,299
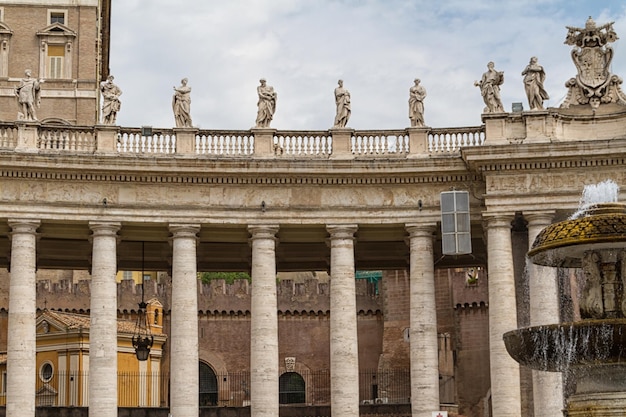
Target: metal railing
135,389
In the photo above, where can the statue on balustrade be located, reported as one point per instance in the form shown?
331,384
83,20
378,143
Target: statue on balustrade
342,100
111,101
490,89
266,104
533,84
181,103
28,96
417,94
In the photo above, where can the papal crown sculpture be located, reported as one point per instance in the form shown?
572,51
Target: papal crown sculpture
592,56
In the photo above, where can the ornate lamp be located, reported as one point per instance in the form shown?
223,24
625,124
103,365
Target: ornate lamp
142,338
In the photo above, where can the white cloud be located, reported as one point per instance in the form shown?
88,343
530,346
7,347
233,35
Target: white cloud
303,46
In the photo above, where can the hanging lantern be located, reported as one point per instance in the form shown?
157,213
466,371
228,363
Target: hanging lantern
142,337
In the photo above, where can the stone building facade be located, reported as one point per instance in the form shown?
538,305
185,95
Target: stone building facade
65,45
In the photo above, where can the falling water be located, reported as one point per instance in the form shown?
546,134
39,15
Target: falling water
603,192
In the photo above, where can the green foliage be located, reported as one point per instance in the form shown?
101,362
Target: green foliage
229,277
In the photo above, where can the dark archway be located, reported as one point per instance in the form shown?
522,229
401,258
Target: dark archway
208,386
292,389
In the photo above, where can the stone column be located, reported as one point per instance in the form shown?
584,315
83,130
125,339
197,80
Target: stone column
423,323
344,354
544,309
184,375
505,375
103,321
264,323
21,339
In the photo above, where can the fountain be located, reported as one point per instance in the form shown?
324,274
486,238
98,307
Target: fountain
590,351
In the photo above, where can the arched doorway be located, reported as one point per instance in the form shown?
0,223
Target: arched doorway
208,386
292,389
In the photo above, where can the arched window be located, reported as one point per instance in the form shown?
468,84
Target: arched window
208,386
291,388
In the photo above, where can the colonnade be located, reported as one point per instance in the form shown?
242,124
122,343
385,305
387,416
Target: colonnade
264,366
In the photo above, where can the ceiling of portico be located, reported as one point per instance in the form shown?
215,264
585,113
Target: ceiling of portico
227,248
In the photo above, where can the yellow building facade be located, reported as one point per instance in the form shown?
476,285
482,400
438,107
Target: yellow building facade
63,344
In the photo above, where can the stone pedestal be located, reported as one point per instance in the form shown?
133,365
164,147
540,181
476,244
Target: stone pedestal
263,142
27,136
186,140
342,143
106,139
418,142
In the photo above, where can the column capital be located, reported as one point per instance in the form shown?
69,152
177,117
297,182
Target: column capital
540,218
420,229
263,231
24,225
341,231
104,228
182,230
498,220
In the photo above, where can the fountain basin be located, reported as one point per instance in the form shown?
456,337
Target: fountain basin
563,244
559,347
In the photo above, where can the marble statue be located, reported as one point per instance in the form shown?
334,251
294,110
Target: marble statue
181,103
342,100
266,104
28,96
111,100
490,89
533,84
417,94
592,56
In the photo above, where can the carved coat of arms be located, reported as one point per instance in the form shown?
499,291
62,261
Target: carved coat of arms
592,57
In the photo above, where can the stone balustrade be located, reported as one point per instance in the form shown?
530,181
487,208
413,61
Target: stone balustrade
35,137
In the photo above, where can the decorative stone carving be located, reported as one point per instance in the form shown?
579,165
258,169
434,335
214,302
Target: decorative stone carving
533,84
266,105
290,363
181,104
28,96
342,100
111,101
591,300
490,89
417,94
592,57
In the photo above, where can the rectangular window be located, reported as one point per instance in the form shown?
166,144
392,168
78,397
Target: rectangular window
3,388
56,16
455,223
128,275
56,56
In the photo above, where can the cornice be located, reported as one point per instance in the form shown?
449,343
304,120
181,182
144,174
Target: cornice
89,168
546,156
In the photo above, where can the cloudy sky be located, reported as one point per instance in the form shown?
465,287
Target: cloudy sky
302,47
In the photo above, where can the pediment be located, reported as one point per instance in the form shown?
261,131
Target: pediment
57,29
46,390
4,29
154,302
46,325
59,322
